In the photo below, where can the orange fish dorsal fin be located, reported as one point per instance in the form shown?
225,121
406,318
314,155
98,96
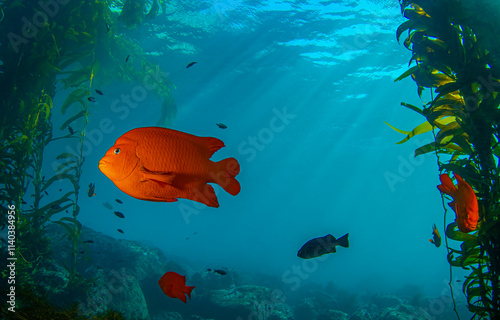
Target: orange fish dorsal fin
161,177
209,144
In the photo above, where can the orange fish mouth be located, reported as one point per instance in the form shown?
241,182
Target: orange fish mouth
102,163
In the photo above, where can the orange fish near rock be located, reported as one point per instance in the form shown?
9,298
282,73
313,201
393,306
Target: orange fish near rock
159,164
174,286
464,202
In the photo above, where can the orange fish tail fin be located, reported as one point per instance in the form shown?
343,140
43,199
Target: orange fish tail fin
224,175
188,291
447,185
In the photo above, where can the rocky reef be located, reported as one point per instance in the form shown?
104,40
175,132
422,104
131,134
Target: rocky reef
124,277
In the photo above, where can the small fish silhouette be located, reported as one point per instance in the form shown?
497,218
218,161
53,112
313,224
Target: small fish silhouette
120,230
221,125
191,64
91,99
119,214
99,92
91,191
126,60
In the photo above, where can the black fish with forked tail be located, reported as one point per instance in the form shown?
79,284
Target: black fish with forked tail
319,246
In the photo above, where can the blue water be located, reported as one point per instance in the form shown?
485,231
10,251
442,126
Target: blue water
304,88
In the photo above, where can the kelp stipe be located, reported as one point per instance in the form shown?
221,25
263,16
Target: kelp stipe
463,116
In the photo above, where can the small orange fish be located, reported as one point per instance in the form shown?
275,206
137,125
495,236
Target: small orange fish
436,237
464,202
174,286
159,164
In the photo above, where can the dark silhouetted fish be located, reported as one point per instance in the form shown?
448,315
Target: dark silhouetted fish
88,241
436,237
46,193
99,92
218,271
120,230
320,246
119,214
221,272
126,60
221,125
191,64
118,200
91,99
91,191
70,130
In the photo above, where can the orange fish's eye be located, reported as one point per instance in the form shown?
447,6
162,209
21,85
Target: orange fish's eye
116,151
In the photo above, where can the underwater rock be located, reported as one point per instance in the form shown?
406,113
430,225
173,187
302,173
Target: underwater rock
361,314
52,278
333,315
251,302
195,317
167,316
306,310
206,281
123,272
383,300
403,312
118,290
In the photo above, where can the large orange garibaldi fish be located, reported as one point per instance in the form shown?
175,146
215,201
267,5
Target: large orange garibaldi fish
159,164
464,202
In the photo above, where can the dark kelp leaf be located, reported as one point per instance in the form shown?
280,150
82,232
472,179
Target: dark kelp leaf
412,107
75,222
73,118
462,142
403,27
61,176
453,233
65,164
69,230
66,155
58,202
77,77
407,73
73,97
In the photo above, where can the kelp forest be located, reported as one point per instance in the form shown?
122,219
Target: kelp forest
59,48
455,65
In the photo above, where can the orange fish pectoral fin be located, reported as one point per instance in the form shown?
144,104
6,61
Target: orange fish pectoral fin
160,177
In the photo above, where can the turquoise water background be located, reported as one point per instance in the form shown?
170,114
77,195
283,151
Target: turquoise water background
304,88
